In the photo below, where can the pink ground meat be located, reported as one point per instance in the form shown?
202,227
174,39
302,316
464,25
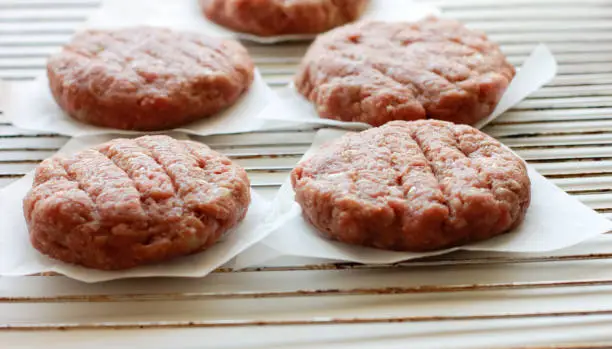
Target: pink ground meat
376,72
413,186
128,202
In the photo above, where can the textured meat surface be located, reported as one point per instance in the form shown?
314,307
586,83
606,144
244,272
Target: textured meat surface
147,78
413,186
278,17
132,202
376,72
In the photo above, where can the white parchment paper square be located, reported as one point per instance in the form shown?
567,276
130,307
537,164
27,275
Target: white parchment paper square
554,221
162,13
18,257
537,70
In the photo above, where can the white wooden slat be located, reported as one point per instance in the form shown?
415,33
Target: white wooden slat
12,169
497,129
555,115
31,51
263,60
589,57
584,183
518,38
570,91
573,167
32,143
14,132
570,47
75,15
245,142
549,128
548,37
467,4
281,50
31,155
279,150
37,28
596,201
38,63
276,281
276,82
34,40
309,279
520,13
285,163
452,334
295,308
565,153
20,73
581,79
45,3
329,307
584,68
588,139
17,78
537,25
287,138
275,179
554,103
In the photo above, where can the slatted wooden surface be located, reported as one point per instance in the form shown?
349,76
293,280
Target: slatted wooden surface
564,130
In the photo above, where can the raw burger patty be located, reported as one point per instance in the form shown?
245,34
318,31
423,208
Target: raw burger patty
413,186
147,78
278,17
127,203
376,72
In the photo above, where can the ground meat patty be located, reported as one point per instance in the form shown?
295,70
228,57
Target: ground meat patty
375,72
413,186
132,202
278,17
147,78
